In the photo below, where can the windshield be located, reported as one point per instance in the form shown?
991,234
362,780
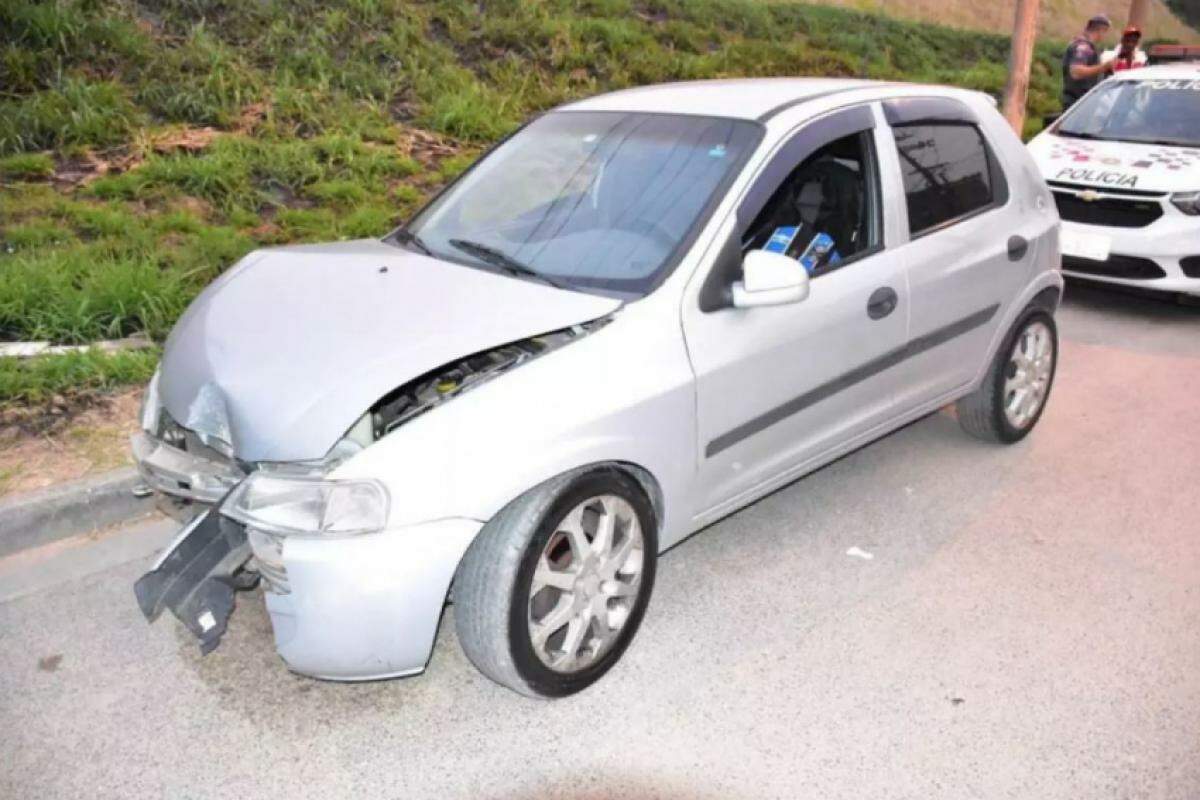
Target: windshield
1152,111
602,201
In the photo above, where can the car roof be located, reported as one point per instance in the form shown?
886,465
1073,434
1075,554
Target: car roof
1160,72
746,98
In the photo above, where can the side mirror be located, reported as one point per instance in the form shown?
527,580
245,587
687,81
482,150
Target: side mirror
769,279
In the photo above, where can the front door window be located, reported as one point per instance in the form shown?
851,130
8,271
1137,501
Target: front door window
825,213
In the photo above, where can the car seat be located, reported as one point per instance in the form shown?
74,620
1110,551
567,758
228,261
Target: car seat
828,199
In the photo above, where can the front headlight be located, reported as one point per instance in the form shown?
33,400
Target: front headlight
1187,202
308,506
148,414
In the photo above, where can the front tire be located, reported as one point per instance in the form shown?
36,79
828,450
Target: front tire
1015,391
552,591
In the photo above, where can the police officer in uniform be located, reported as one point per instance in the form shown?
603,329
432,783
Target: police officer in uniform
1082,67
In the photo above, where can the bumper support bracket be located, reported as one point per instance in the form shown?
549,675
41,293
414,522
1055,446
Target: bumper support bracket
197,577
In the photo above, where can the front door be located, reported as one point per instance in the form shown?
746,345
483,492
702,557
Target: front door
778,386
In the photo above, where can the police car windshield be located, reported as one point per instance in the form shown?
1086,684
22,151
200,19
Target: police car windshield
595,201
1165,112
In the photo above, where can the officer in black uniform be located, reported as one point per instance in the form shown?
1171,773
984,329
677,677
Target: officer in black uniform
1082,68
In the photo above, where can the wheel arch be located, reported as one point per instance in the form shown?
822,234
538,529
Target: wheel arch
1044,292
645,478
1047,299
642,476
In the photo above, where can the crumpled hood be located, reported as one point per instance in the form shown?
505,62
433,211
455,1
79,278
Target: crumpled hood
1117,165
282,354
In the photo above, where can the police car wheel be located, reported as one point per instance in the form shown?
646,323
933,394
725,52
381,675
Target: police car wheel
1009,403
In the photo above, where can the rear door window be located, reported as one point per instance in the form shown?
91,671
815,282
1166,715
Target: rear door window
949,173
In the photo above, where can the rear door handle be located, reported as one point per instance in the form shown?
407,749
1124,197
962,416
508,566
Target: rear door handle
882,302
1018,246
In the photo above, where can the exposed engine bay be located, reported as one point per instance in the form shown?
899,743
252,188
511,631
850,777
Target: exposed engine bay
214,555
446,382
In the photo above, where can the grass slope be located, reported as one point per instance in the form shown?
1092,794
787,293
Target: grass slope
1187,10
144,147
1060,19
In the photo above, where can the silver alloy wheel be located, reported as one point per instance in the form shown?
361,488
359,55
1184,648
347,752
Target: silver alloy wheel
1027,377
586,582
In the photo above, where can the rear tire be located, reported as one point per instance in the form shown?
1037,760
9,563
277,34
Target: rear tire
553,589
1013,395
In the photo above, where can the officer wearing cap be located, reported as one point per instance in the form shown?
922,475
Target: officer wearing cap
1082,67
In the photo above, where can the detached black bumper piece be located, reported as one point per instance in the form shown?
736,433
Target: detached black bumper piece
198,577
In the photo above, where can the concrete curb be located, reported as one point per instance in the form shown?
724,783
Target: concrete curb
36,518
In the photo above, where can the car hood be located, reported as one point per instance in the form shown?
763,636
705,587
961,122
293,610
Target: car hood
1117,165
283,353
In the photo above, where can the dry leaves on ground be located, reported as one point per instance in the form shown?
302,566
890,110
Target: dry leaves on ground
95,440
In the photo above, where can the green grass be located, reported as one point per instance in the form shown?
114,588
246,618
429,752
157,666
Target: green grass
35,381
26,166
75,111
1187,10
314,103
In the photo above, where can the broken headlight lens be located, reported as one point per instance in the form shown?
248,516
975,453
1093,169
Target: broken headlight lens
308,506
149,412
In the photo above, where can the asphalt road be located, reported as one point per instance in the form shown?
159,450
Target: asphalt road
1028,627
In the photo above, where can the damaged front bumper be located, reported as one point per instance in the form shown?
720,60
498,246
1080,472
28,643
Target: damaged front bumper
184,483
365,607
196,576
342,608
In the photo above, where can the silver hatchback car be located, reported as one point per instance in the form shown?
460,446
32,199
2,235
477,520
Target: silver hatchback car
636,315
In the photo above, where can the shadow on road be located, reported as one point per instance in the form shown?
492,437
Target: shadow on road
1128,320
1131,303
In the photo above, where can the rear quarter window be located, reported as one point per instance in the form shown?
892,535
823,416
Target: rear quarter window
949,173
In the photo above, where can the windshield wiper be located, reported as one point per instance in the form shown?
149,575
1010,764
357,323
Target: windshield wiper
498,258
1125,140
405,236
1164,142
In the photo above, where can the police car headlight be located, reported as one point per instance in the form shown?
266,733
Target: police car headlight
1187,202
297,505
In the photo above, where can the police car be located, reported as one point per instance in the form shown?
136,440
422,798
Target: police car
1124,167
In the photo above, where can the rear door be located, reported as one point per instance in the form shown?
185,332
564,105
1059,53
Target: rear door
970,247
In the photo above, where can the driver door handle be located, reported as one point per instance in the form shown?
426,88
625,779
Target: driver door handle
882,302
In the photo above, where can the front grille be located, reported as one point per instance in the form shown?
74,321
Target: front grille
1138,269
1111,212
1191,266
1083,187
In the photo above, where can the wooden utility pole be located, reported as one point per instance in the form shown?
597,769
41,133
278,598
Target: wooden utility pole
1019,62
1139,13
